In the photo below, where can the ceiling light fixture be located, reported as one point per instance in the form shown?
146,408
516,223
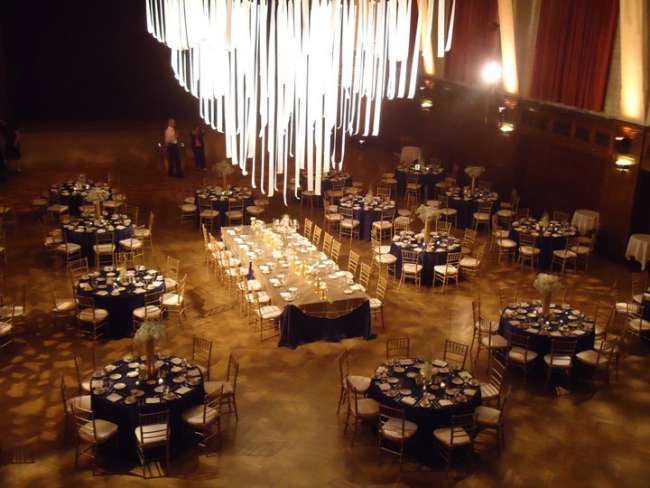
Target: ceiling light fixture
293,78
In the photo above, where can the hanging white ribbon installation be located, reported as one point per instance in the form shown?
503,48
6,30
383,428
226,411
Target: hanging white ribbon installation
290,79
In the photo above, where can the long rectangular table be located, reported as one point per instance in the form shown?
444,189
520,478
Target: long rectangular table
308,317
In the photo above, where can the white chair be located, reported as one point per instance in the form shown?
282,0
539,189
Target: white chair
361,383
445,273
174,302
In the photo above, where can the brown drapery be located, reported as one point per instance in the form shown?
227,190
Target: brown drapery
573,51
475,40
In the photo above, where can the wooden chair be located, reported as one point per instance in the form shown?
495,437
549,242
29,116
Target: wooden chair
398,347
491,389
381,255
207,214
564,257
349,225
491,420
202,355
364,275
308,228
489,341
483,215
361,383
520,355
267,318
528,251
145,234
353,263
90,432
455,353
151,310
226,388
458,437
91,319
327,244
205,419
560,358
394,431
446,212
174,302
384,226
360,409
450,271
411,267
152,433
315,239
336,250
235,212
377,302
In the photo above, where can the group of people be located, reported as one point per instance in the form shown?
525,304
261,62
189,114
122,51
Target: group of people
173,145
9,149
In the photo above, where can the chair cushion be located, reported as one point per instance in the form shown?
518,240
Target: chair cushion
558,361
172,300
151,312
448,211
9,310
104,248
461,437
505,213
82,401
581,249
349,223
131,243
469,262
590,357
170,284
68,247
57,208
404,212
506,243
411,268
269,312
209,214
188,208
5,328
86,315
564,253
482,216
519,355
360,383
497,341
385,259
375,303
194,416
141,232
64,305
529,250
487,416
392,429
39,202
234,214
444,269
381,249
213,387
501,233
104,430
333,217
254,210
367,408
489,391
382,224
190,200
151,440
638,324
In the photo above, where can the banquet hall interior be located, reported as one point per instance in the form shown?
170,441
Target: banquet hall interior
333,243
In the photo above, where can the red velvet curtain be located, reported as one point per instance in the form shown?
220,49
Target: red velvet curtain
573,51
475,40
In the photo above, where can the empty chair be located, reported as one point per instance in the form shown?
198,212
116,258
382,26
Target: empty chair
308,227
202,355
394,430
205,419
528,250
483,215
152,308
411,267
90,432
235,212
207,214
349,226
353,263
455,439
455,354
491,389
520,354
560,358
188,210
398,347
226,388
152,433
565,257
174,302
91,319
145,234
316,235
489,341
361,383
377,302
491,420
450,271
360,409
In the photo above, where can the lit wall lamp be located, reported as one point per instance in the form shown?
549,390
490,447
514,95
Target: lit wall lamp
426,104
624,161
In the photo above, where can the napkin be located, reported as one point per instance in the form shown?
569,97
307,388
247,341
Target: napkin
445,403
469,392
182,390
114,397
440,363
384,386
152,400
409,400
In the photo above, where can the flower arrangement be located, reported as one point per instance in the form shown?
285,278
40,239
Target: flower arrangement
547,283
224,169
150,331
544,221
96,195
474,171
426,214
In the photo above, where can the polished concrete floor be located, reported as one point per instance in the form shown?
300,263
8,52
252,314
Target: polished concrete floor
289,433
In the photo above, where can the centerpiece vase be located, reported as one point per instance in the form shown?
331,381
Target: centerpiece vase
546,304
473,184
427,230
151,360
98,210
225,180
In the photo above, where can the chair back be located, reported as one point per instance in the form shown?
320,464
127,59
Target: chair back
523,213
461,427
382,285
453,258
383,191
401,224
497,373
205,203
412,178
81,418
344,365
235,204
476,311
327,243
527,240
308,228
152,298
336,250
154,428
469,237
364,275
443,226
521,340
485,207
172,267
212,402
316,235
202,350
106,237
455,353
232,373
347,213
560,216
397,418
398,347
563,347
506,297
78,268
410,256
353,263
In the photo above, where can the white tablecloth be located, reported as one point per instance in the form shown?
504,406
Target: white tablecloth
638,247
585,220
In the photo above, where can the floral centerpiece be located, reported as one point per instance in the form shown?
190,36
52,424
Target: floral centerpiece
97,195
544,221
147,335
546,284
474,172
224,169
426,214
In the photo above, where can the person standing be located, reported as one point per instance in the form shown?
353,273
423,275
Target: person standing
3,166
198,147
12,151
173,151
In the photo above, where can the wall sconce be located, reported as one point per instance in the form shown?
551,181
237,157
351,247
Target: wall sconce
624,163
426,103
506,127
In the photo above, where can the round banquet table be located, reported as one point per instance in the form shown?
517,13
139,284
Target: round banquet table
549,238
428,176
398,384
646,305
328,179
638,247
433,254
83,231
466,203
585,220
565,321
120,299
366,210
73,193
220,197
178,386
